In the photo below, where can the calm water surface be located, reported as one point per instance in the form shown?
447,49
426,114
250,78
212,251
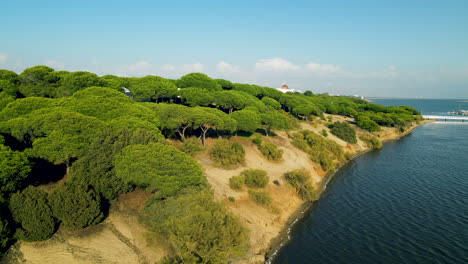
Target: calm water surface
407,203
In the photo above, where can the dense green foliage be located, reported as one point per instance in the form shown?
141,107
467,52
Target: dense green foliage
227,154
76,205
247,120
255,178
199,80
321,150
157,167
344,131
32,213
14,167
96,168
152,88
260,197
4,234
271,151
198,228
301,181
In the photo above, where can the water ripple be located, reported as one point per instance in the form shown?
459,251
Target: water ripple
404,204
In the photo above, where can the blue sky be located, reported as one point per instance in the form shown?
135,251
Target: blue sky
371,48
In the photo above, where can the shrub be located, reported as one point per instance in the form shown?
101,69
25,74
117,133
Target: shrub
260,197
320,150
33,215
349,155
231,199
198,228
271,151
300,180
255,178
237,182
276,182
371,141
191,146
367,124
227,154
257,141
76,205
324,133
344,131
330,118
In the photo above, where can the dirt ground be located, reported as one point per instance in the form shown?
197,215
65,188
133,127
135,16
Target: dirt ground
119,239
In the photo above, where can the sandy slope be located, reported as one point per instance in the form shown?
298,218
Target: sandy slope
119,239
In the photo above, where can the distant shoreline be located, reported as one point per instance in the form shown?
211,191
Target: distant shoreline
284,236
463,100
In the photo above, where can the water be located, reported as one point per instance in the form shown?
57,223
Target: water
427,106
407,203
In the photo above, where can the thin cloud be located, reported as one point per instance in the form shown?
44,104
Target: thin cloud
167,67
3,57
389,73
195,67
323,69
139,68
55,64
275,64
225,67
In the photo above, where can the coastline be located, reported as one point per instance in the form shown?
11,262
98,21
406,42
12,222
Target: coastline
284,236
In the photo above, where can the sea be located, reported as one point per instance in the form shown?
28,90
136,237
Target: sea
405,203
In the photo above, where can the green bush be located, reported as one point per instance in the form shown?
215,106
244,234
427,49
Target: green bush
260,197
199,229
367,124
255,178
227,154
32,213
237,182
300,180
320,150
271,151
276,182
192,146
257,140
344,131
324,133
231,199
371,141
76,205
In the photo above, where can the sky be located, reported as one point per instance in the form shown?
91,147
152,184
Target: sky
373,48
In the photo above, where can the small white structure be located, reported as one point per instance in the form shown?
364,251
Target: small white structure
285,89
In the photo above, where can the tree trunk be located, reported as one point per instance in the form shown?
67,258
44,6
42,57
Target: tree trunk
181,133
204,130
